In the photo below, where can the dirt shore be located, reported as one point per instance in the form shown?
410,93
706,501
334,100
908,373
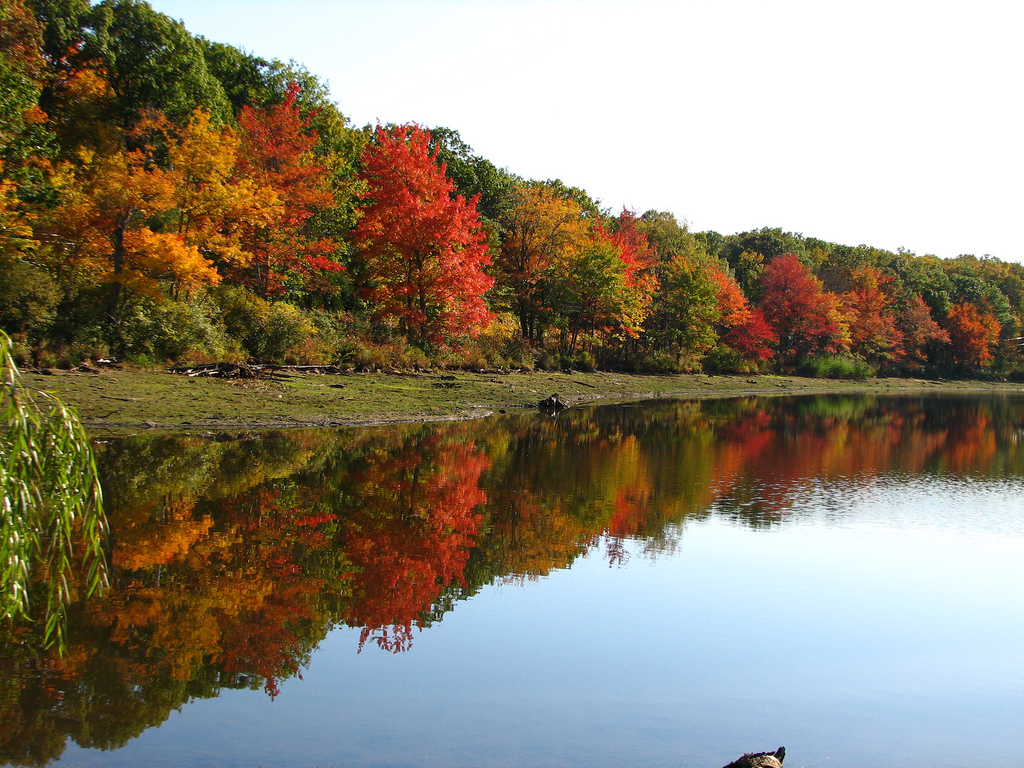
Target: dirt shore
118,400
132,399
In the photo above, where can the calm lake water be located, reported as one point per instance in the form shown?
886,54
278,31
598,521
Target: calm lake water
669,584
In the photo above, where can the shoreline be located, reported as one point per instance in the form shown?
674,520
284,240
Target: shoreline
127,400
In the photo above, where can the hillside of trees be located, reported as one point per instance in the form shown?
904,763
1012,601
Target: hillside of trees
168,198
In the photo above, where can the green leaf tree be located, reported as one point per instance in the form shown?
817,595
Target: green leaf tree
154,63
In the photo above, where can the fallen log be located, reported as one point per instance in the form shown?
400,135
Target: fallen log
308,369
247,371
221,370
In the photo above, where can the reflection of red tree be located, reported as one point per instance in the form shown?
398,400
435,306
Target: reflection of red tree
410,535
630,517
972,444
279,530
265,642
796,450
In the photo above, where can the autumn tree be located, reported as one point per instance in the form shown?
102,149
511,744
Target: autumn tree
277,144
95,231
639,260
972,334
542,229
868,306
589,293
683,324
423,248
749,253
129,222
214,207
740,327
920,333
806,318
685,316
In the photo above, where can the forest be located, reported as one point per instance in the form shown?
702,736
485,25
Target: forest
166,198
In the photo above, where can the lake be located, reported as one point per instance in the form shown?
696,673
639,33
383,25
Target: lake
671,583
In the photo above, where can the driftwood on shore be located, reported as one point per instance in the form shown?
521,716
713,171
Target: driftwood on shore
760,759
247,371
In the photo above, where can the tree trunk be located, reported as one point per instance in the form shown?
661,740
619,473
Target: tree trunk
114,299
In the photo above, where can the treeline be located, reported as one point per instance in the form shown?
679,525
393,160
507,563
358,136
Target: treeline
164,197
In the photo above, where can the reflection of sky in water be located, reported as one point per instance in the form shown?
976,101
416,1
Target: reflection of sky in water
881,623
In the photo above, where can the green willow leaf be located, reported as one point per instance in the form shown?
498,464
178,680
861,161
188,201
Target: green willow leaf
52,503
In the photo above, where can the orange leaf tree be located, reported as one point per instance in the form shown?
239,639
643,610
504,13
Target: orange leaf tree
423,248
874,333
126,220
972,333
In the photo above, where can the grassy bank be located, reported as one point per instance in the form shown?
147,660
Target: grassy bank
138,399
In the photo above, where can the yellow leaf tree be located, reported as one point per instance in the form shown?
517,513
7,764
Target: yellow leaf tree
157,214
542,229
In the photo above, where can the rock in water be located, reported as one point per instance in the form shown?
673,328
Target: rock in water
552,404
760,759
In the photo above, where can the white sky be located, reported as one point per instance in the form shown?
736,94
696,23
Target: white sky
893,124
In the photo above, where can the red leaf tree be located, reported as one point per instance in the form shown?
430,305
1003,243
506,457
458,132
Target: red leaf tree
423,246
805,316
740,327
278,145
919,332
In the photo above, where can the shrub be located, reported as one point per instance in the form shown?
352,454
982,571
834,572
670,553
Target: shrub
283,327
502,345
662,361
28,299
266,330
186,330
584,361
725,359
835,367
549,361
360,353
156,331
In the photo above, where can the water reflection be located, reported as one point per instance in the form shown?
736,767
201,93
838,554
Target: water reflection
234,557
